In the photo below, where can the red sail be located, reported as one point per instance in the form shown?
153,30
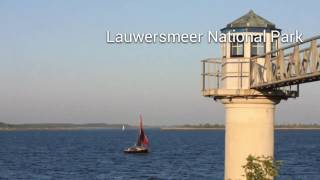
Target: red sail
142,138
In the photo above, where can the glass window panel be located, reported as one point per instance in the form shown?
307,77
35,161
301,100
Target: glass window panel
260,50
253,51
236,49
257,48
240,50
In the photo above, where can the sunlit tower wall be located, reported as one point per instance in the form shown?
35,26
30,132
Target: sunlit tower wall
249,113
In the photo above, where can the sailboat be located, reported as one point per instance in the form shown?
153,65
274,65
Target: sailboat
123,127
142,142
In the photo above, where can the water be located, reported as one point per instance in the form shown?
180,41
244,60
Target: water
97,154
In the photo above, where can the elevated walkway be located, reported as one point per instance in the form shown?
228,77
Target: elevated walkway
279,74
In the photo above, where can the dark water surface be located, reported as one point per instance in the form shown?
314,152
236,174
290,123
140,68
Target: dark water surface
97,154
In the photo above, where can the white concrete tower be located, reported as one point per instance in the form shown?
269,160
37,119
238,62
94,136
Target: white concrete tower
249,114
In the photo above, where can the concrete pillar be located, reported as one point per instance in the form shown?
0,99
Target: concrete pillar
249,130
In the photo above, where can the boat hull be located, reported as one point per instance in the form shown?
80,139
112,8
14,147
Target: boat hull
136,150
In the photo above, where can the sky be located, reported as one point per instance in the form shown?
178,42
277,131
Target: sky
55,64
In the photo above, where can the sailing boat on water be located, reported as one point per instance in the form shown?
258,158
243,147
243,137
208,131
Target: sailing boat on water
142,142
123,128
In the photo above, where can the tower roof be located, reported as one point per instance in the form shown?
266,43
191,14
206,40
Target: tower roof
251,19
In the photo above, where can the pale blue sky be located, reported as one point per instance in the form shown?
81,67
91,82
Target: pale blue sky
56,67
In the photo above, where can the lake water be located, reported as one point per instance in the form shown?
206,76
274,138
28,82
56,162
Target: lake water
97,154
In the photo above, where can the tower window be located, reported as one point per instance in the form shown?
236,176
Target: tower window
257,48
237,49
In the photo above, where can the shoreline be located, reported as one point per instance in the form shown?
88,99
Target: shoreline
160,128
188,129
207,129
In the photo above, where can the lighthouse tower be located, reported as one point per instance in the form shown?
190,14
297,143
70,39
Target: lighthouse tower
249,113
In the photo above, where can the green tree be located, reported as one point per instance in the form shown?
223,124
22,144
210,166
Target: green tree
261,168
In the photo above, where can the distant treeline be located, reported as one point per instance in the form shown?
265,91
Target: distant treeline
7,126
299,125
207,125
58,126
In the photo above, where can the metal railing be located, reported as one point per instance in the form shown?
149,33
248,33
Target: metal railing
211,73
294,64
240,74
279,69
